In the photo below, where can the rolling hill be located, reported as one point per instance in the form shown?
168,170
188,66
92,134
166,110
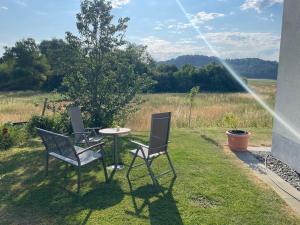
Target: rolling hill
249,67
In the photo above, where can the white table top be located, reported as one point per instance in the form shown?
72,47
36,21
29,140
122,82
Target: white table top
115,131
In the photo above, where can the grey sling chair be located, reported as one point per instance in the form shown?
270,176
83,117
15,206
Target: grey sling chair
83,135
61,148
158,146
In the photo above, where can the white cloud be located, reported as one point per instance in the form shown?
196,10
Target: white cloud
202,17
165,25
209,27
243,44
228,44
268,18
258,5
162,49
195,20
158,28
119,3
3,8
2,45
21,3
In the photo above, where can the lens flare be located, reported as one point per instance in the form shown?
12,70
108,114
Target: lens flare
236,76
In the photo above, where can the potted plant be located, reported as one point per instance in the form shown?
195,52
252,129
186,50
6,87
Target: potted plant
237,139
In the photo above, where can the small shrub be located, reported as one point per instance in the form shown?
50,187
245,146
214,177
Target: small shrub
6,140
63,123
11,136
230,120
59,123
42,122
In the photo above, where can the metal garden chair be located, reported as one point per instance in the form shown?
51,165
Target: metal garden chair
158,146
83,135
60,147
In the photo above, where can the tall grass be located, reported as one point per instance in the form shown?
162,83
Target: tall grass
20,106
210,110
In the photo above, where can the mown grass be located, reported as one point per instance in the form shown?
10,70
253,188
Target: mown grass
210,189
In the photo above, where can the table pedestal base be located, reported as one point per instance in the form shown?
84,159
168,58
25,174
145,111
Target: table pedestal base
113,167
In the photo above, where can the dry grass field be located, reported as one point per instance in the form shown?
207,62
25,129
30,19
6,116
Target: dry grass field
20,106
209,111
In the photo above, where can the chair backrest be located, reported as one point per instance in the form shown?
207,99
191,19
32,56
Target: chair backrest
77,122
159,135
58,144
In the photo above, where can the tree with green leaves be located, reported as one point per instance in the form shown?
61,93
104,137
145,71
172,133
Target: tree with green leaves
23,66
106,74
55,51
164,77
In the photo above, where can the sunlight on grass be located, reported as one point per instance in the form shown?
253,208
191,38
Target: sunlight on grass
210,189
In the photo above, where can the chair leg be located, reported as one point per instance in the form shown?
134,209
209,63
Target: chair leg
171,165
78,179
154,180
131,164
149,168
151,161
47,164
67,167
105,170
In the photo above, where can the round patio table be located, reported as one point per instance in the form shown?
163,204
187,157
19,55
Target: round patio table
115,132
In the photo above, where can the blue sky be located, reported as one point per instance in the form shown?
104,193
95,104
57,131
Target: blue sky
236,28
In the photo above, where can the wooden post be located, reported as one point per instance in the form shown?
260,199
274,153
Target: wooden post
54,109
45,105
190,114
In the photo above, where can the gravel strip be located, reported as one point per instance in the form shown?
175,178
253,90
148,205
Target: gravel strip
280,168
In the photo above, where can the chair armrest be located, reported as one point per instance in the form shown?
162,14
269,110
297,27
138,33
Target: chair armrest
139,144
93,128
82,132
90,148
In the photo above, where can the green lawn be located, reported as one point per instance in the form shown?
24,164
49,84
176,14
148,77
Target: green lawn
210,189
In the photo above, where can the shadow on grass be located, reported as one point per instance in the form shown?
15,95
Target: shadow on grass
210,140
249,159
124,145
26,195
160,202
26,191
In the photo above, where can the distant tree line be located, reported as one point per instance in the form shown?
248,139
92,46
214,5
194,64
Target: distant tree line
32,66
248,67
44,66
255,68
211,78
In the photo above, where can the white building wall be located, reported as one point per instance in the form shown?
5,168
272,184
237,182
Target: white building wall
286,146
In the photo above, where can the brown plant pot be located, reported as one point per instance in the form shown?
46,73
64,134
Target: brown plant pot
238,140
